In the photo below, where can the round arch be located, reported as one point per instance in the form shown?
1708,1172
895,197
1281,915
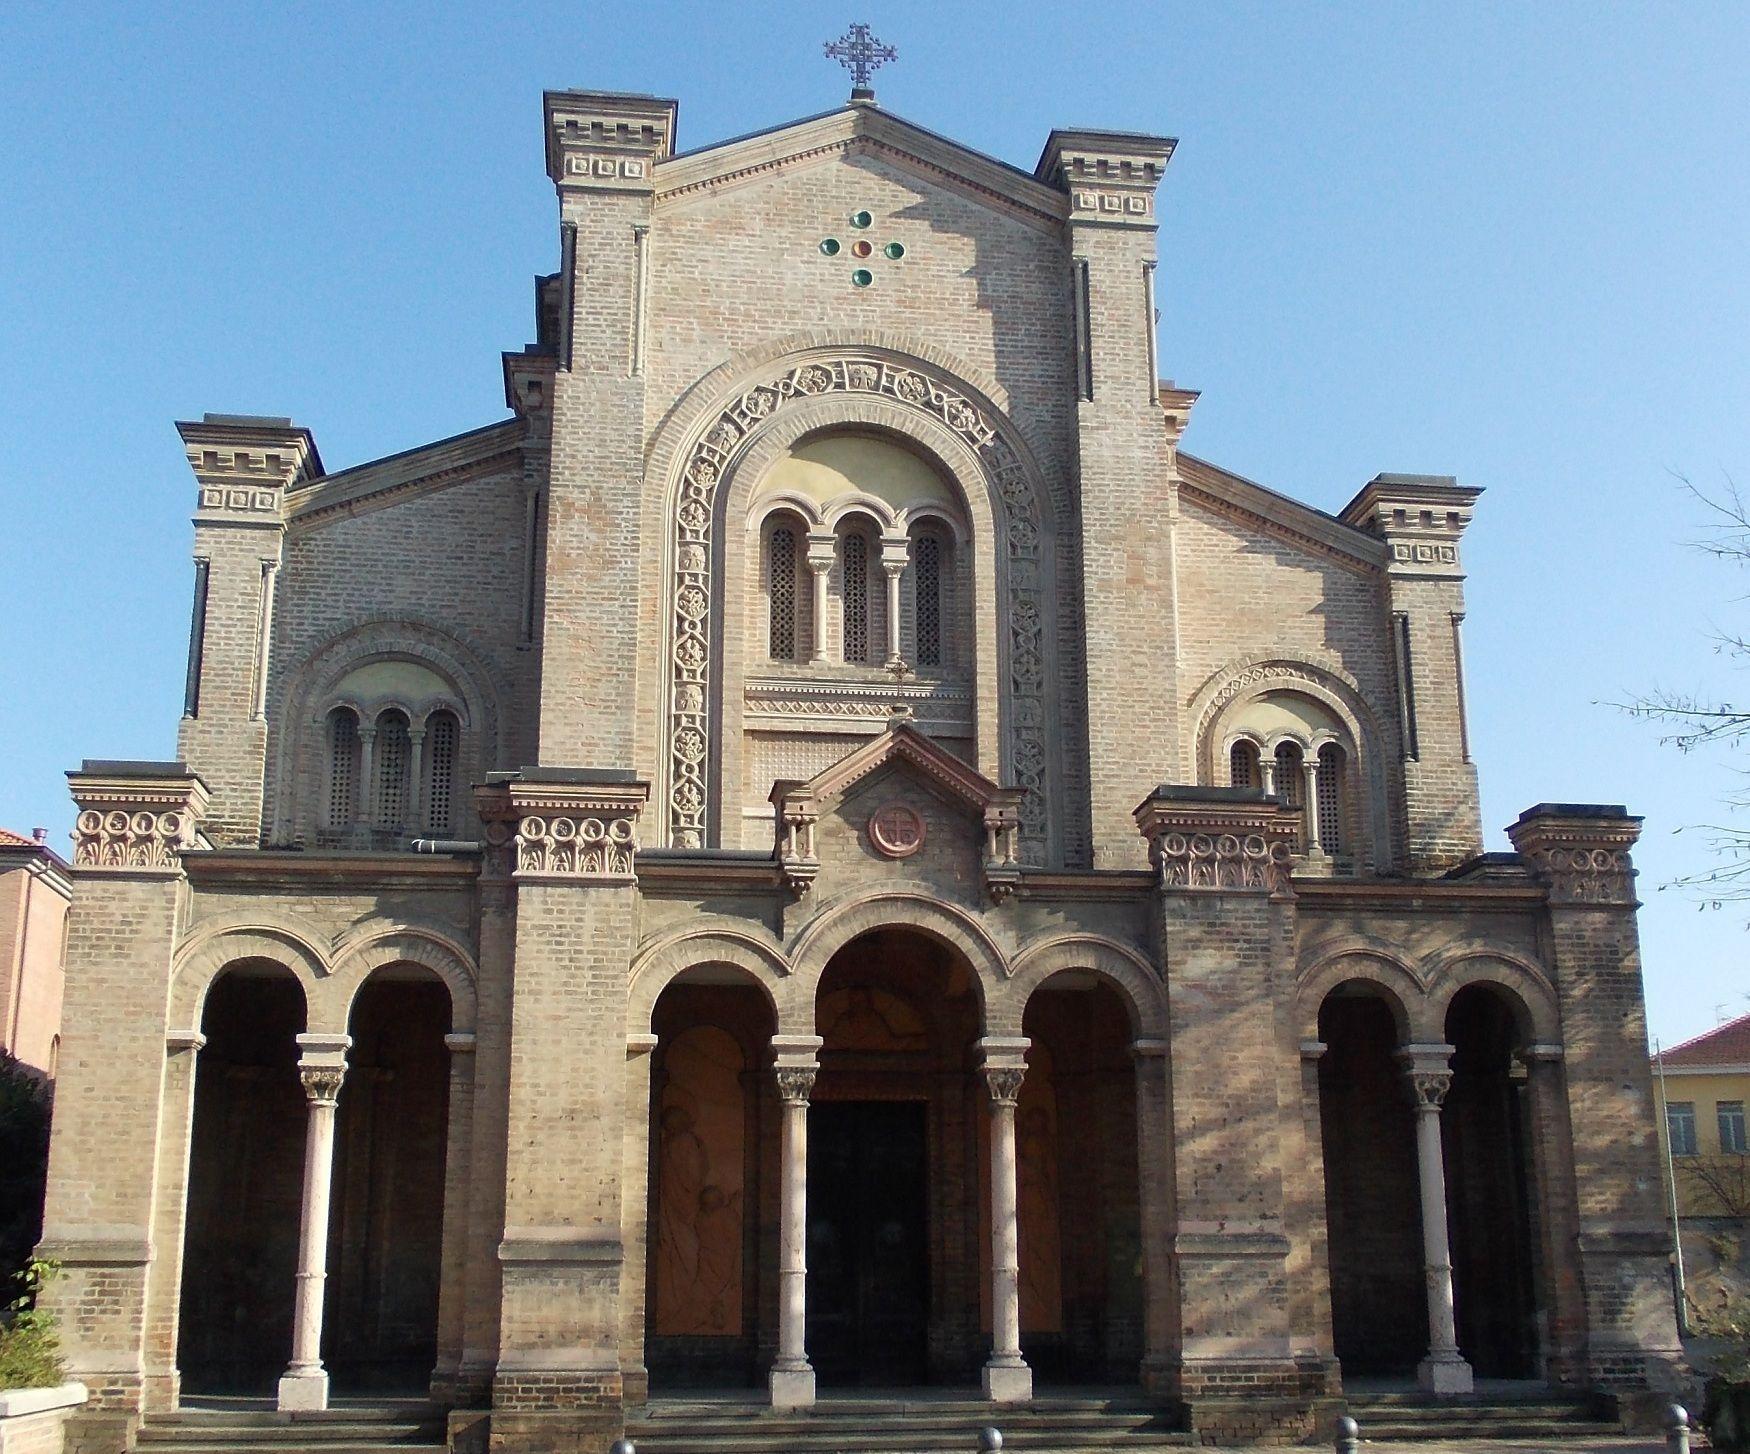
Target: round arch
659,964
904,909
301,706
1521,983
1385,976
213,948
1123,968
1323,680
361,957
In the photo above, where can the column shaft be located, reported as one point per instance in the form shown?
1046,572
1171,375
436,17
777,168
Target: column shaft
792,1379
1007,1378
1443,1370
305,1383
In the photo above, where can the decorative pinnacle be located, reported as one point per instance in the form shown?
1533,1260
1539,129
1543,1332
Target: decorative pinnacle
900,670
862,55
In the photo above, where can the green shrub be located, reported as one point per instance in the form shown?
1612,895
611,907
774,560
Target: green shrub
30,1353
24,1162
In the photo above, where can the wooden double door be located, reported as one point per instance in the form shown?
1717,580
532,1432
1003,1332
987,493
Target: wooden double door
868,1245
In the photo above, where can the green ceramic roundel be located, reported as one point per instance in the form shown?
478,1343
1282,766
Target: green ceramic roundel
862,278
861,219
895,250
830,246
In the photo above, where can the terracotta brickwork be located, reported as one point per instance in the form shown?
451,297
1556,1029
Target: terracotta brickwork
499,727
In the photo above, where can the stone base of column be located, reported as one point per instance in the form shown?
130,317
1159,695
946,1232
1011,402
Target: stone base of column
1008,1382
1445,1376
303,1391
792,1388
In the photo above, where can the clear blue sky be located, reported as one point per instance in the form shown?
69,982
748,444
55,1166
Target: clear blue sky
1506,242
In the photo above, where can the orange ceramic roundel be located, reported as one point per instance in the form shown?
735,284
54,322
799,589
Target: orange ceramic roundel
896,831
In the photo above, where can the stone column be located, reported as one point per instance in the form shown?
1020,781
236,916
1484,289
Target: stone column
416,781
365,819
821,554
322,1068
1007,1378
1267,773
1430,1077
1310,787
895,554
792,1378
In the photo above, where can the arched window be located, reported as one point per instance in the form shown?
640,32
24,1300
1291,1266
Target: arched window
443,736
927,561
393,759
854,594
1333,796
1290,780
343,768
781,555
1242,765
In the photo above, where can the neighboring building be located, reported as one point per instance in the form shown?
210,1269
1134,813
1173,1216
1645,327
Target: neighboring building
1705,1089
824,848
35,890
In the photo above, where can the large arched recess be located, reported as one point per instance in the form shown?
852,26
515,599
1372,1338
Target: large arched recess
1020,563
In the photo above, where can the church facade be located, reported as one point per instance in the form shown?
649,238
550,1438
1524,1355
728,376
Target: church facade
826,851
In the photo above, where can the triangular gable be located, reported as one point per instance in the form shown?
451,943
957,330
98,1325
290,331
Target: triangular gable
1266,510
800,805
491,449
870,131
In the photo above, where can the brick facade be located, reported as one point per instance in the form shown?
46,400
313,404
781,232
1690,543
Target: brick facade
1050,817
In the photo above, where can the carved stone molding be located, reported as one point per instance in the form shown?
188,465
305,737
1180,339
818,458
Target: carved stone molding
582,827
601,141
1580,851
916,386
1222,839
136,816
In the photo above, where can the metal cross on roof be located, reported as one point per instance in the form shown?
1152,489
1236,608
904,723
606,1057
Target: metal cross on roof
862,55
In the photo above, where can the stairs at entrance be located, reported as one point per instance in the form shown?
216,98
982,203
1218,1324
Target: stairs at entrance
1489,1415
247,1427
900,1425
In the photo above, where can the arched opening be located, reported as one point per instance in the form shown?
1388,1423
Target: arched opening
1379,1318
245,1188
898,1199
1482,1130
711,1247
785,589
1076,1175
1242,765
862,601
385,1232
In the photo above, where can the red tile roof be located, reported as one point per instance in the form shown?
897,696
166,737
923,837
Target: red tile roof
1728,1044
9,839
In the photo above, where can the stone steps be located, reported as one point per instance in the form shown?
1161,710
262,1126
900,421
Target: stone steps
1405,1417
252,1431
1048,1426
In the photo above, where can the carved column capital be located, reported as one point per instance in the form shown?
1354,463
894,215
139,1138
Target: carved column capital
795,1083
1428,1074
136,816
322,1083
1004,1083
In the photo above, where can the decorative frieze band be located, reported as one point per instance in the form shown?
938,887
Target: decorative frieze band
1222,839
136,816
1580,851
582,828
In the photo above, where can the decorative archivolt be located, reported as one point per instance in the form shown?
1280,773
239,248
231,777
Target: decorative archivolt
312,689
727,942
1137,982
1420,991
1217,707
725,438
329,975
